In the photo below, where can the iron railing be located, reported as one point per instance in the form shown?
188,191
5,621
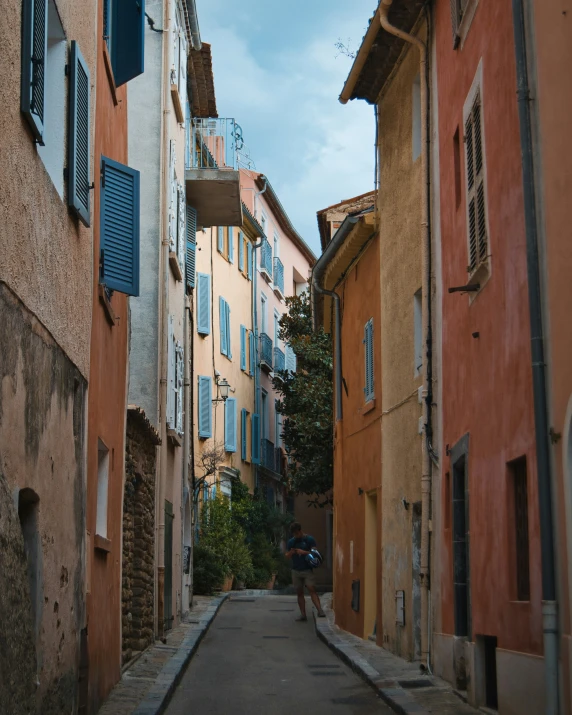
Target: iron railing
266,257
279,360
212,144
278,274
266,349
271,456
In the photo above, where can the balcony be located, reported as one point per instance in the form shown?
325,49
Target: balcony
279,360
211,171
278,278
265,352
266,260
271,457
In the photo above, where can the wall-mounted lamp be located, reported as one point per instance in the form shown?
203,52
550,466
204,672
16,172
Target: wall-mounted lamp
222,388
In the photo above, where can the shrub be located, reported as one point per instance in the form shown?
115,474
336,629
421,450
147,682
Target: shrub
208,571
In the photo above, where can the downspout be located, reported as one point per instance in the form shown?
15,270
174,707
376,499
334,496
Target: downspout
384,8
549,600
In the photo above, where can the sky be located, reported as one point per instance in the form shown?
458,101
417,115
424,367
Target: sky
278,73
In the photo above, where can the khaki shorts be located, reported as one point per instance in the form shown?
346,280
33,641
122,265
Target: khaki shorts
303,578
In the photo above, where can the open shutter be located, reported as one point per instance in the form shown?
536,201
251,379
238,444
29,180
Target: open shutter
368,342
242,347
78,141
191,260
183,68
455,21
173,198
230,425
223,326
181,226
119,227
34,51
249,257
252,354
205,407
179,386
171,375
230,245
240,251
220,239
255,439
203,303
243,420
228,334
127,40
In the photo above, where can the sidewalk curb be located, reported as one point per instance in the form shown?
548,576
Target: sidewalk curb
158,697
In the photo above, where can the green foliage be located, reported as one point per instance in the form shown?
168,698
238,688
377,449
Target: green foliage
307,403
208,570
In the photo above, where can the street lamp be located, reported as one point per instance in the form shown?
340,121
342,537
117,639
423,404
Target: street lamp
222,388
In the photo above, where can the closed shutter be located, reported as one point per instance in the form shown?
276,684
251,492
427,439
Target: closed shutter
179,386
183,69
243,435
220,239
255,449
34,52
230,425
78,142
368,343
223,326
203,303
240,251
290,359
230,245
191,259
205,407
127,40
171,375
252,354
249,258
181,239
119,227
242,347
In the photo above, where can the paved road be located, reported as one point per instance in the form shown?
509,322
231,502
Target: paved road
256,659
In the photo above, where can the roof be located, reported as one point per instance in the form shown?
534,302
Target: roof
379,52
345,208
279,212
251,222
140,418
200,80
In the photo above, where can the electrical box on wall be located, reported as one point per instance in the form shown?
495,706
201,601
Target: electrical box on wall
400,608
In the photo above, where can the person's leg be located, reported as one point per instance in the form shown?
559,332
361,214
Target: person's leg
315,600
298,583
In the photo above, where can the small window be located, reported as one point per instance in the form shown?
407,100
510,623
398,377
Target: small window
418,332
102,488
518,477
416,118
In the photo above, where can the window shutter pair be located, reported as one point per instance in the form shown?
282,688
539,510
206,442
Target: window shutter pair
249,258
243,434
119,257
240,251
179,386
171,376
242,347
205,407
220,239
181,241
230,425
203,303
224,316
127,39
255,449
191,258
478,243
230,245
368,343
252,353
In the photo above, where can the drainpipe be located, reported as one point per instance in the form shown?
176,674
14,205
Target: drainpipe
194,23
384,8
549,601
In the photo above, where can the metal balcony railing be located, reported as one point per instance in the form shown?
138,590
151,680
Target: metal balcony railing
279,360
212,144
278,274
266,349
266,258
271,456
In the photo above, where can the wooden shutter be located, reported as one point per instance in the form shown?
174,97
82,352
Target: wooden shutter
230,245
179,386
228,333
203,303
243,435
368,343
240,251
78,140
252,354
249,257
173,198
205,407
220,239
191,259
127,40
171,375
455,21
119,227
476,200
255,449
181,241
33,71
223,326
242,347
230,425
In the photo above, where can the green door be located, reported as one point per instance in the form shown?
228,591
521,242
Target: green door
169,517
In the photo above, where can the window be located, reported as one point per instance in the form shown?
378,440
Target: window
230,245
255,448
243,434
230,425
224,317
102,489
177,213
418,332
369,364
240,251
203,303
243,347
416,118
518,477
119,216
205,407
462,13
276,245
191,258
124,35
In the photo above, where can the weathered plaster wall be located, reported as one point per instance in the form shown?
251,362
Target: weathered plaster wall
42,438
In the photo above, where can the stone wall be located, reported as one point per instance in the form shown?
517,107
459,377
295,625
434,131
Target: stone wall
138,534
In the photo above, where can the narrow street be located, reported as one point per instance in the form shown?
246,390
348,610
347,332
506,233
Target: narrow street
257,659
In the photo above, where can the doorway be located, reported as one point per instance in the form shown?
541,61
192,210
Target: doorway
370,591
168,587
461,582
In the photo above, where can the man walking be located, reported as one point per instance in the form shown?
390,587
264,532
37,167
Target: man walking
302,573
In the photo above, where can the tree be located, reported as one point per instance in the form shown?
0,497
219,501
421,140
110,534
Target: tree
306,400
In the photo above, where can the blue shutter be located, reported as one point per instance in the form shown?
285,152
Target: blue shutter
205,407
249,257
230,425
228,334
242,347
252,354
223,326
34,51
255,439
119,227
230,245
240,251
213,492
191,262
127,40
368,342
203,303
78,142
220,239
243,415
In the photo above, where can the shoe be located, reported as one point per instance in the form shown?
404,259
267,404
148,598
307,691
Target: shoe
302,618
321,614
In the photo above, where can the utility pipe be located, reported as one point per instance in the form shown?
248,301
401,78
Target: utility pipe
384,8
541,423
